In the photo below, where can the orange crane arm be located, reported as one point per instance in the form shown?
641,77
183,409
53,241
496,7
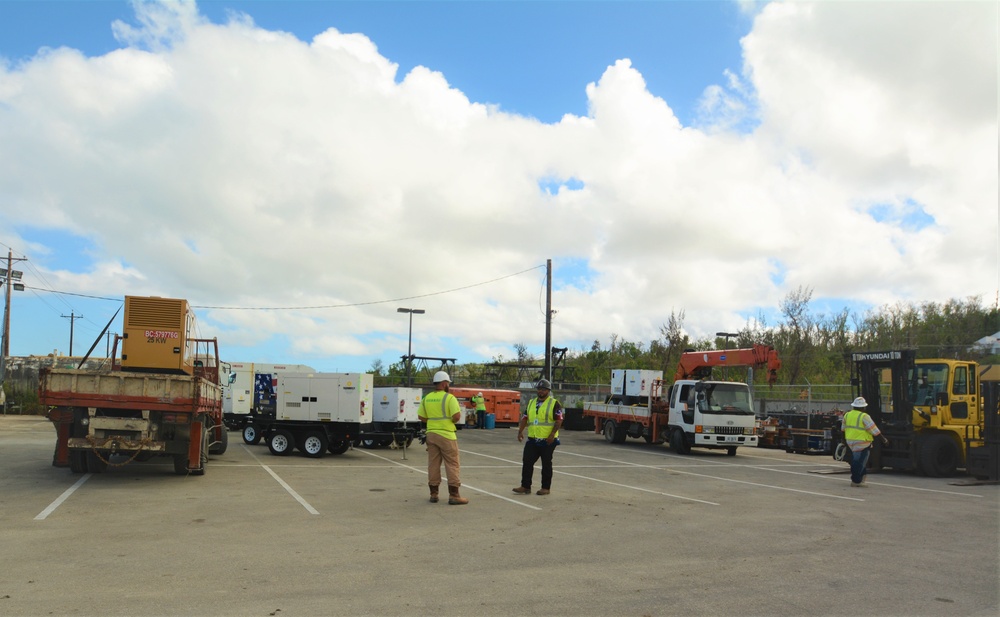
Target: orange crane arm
698,364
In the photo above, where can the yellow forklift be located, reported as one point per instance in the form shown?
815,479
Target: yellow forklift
932,414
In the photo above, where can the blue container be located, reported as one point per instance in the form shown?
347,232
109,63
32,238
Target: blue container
491,420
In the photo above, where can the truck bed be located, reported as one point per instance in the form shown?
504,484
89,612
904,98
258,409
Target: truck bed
127,390
635,413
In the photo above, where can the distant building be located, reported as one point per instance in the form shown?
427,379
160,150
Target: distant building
988,344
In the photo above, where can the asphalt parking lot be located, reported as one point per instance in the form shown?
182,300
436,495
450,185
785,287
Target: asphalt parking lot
629,529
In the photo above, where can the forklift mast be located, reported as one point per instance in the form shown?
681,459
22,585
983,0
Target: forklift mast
866,372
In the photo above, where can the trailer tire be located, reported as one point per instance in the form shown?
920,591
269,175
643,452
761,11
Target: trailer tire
281,443
677,442
95,464
370,444
78,461
939,456
339,447
251,435
314,444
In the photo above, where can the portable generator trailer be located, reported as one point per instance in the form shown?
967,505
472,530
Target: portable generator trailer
394,418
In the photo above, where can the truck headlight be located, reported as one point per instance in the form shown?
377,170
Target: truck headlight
708,429
748,430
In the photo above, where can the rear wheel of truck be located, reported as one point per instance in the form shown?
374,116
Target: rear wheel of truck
77,461
313,444
678,443
939,456
281,443
609,431
222,445
95,464
251,435
339,447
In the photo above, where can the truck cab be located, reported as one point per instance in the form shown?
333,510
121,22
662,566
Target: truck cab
710,414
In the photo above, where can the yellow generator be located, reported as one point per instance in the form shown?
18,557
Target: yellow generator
157,335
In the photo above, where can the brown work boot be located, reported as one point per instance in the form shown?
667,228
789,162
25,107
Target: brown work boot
522,490
454,499
542,491
434,493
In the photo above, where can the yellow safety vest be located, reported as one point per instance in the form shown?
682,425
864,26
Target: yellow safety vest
437,408
854,426
541,421
480,403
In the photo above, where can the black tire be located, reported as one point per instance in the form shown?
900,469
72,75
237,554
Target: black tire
678,443
200,471
281,442
222,445
939,456
339,447
77,461
180,464
370,444
251,435
731,451
314,444
95,464
610,428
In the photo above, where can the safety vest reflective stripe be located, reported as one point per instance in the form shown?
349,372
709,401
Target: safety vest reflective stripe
538,421
854,426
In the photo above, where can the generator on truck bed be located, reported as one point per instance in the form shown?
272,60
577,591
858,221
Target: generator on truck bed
162,398
933,416
694,412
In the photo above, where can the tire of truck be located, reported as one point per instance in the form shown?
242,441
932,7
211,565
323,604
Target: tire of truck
181,464
677,442
77,461
609,431
95,464
281,443
205,440
939,456
370,443
313,444
731,451
222,445
251,435
339,447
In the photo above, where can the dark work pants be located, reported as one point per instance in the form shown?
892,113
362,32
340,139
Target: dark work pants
532,453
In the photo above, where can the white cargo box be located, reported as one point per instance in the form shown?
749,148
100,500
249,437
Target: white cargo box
633,382
325,397
397,404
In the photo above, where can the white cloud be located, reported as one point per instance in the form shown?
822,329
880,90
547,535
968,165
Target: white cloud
237,166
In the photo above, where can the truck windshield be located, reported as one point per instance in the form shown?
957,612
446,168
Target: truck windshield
729,398
927,381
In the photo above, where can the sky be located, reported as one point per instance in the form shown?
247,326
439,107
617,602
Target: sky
298,171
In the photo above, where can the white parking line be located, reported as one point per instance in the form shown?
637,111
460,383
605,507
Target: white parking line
284,485
559,471
55,504
468,486
703,475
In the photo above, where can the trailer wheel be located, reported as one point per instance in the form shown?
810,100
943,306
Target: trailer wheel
369,444
314,444
78,461
95,464
251,435
339,447
939,456
677,442
281,443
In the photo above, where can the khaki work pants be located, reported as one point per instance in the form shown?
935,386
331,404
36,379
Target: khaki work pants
441,449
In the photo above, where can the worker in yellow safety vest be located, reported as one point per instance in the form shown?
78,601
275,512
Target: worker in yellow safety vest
542,418
480,404
859,432
441,411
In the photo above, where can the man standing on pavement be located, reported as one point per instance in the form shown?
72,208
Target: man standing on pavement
859,432
542,418
480,404
440,410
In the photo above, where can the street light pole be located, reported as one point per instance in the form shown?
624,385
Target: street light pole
409,341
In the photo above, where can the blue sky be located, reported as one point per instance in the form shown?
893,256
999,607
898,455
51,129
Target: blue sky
709,157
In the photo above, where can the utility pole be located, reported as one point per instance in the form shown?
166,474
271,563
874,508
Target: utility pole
9,275
72,317
547,371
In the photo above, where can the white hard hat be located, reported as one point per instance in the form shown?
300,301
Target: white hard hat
441,376
480,394
860,403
